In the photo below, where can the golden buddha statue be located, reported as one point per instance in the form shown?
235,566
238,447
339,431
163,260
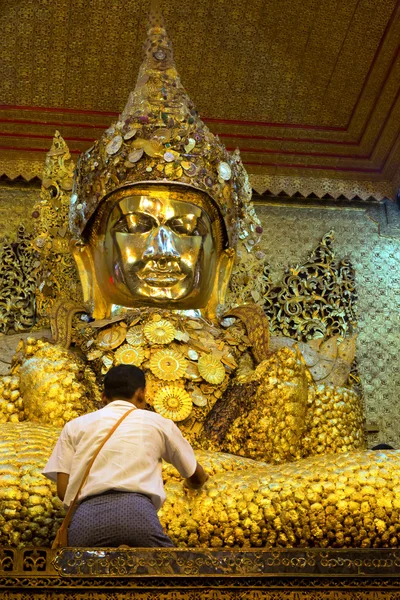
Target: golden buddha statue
161,228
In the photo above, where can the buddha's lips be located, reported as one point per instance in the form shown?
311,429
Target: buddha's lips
160,278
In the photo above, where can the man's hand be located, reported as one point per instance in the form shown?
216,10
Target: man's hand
198,479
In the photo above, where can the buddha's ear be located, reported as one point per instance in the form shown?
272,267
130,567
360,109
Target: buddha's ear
92,295
223,274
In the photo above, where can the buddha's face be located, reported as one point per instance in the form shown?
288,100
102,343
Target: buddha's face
158,248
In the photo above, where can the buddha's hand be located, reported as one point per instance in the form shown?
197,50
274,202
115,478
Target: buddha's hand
56,385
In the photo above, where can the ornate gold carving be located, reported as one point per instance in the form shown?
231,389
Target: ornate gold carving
180,574
316,299
56,274
17,284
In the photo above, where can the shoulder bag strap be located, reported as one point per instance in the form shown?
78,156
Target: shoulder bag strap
71,507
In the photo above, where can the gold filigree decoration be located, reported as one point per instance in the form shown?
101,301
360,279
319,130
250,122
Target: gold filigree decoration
17,285
173,402
211,369
168,365
129,355
159,332
316,299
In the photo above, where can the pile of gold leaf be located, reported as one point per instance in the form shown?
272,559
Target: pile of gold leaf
349,500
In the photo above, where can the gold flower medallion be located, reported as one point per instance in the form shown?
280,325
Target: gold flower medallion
173,402
134,336
168,365
159,332
129,355
211,369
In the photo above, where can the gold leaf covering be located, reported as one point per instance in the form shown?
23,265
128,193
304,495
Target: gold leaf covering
173,402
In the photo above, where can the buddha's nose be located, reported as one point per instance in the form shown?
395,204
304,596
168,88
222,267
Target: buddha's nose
161,245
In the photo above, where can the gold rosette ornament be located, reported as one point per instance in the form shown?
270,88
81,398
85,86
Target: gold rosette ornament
159,332
173,402
134,336
129,355
211,369
168,365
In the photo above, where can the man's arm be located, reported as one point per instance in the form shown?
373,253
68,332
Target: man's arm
198,479
62,483
179,453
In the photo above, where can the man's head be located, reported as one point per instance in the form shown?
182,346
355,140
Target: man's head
383,447
125,382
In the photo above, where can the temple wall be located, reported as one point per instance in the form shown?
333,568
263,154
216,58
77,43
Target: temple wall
292,232
16,205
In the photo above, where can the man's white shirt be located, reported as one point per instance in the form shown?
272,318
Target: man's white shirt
130,461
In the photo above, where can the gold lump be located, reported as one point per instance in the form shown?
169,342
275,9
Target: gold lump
168,365
129,355
173,402
30,510
198,398
211,369
159,332
192,371
11,403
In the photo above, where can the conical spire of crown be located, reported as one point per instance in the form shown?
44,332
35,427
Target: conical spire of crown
158,88
159,137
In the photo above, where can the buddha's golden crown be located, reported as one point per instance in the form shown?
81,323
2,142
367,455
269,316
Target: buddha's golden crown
160,137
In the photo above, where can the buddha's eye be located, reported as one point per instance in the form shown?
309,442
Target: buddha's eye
135,223
187,225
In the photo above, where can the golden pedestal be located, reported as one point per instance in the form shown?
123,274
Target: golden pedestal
177,574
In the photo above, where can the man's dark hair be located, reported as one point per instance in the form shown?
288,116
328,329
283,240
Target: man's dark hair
123,381
383,447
